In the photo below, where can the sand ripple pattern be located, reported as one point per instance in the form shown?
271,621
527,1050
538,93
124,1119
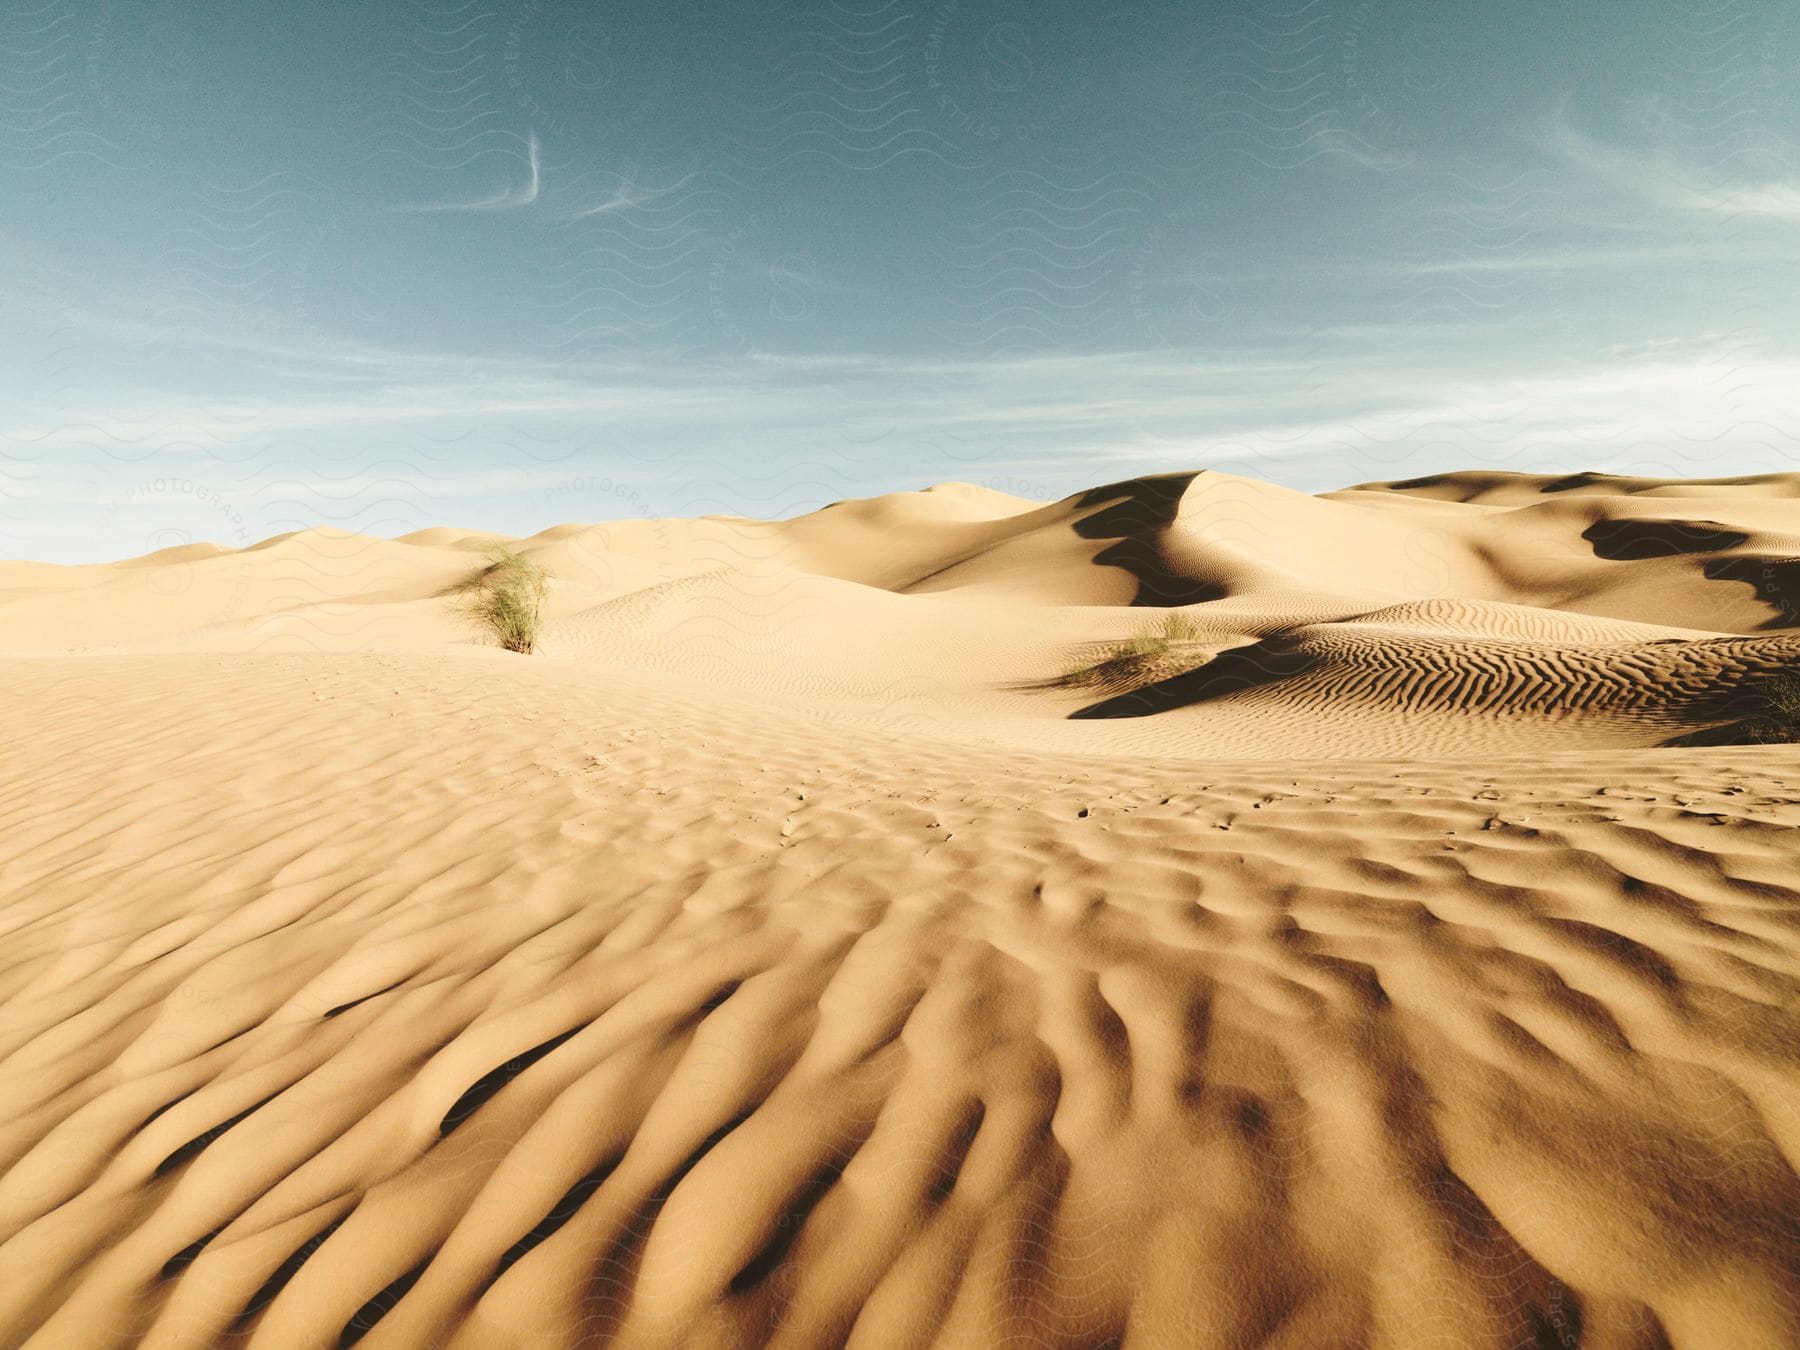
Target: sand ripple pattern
488,1005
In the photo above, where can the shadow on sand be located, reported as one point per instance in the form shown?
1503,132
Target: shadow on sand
1267,662
1138,519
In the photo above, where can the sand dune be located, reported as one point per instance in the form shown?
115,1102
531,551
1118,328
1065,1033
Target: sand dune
791,952
1500,485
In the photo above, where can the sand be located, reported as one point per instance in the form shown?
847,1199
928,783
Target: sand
786,954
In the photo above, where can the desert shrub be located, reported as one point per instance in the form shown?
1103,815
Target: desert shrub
1159,650
1781,720
504,598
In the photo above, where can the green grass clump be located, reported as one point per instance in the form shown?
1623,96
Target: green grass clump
505,597
1160,650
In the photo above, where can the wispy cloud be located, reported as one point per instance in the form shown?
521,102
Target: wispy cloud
1649,258
1659,171
1710,412
628,196
506,198
1780,201
1653,395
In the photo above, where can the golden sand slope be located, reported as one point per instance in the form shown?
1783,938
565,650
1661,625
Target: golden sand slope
777,959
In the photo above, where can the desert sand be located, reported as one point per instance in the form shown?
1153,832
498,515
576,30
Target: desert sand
788,953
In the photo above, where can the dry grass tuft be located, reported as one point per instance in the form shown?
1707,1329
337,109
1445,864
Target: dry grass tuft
1161,650
505,598
1780,724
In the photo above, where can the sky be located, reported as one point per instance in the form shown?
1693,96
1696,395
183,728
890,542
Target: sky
268,264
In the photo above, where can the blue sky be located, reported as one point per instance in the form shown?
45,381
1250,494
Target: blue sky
265,265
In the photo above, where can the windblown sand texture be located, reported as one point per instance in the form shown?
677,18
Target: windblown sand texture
785,955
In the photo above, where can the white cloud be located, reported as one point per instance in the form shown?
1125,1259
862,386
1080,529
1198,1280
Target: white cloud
628,196
506,198
1664,410
1662,391
1660,173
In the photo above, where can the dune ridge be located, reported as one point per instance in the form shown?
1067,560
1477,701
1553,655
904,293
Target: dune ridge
783,956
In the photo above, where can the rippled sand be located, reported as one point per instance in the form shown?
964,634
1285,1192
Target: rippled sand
783,955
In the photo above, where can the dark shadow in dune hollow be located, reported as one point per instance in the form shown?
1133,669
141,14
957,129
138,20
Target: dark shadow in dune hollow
1742,714
1637,540
1270,661
1776,582
1585,478
1141,512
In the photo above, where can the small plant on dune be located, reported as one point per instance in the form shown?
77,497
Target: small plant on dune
1782,695
1161,649
504,598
